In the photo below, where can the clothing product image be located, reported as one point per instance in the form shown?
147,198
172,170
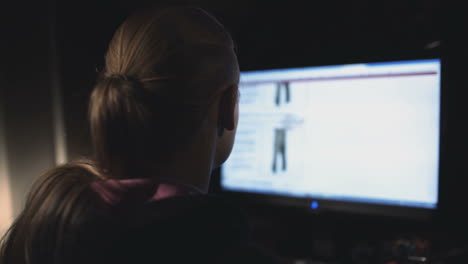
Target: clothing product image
287,93
279,148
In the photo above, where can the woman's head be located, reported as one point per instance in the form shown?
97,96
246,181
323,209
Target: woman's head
170,75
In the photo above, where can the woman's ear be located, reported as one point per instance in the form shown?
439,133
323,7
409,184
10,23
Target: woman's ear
227,109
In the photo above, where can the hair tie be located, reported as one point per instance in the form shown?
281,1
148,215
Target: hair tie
134,82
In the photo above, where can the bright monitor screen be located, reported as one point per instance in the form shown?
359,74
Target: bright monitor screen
365,133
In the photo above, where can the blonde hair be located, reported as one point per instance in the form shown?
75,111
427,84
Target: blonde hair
63,219
163,69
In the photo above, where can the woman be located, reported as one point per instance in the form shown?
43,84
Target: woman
164,115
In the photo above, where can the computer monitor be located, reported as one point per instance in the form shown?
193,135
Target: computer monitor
359,137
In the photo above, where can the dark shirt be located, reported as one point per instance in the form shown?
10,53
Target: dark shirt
191,229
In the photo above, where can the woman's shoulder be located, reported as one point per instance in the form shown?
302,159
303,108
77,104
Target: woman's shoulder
207,212
192,228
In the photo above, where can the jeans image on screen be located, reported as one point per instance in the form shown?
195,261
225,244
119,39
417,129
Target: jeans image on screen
287,95
279,148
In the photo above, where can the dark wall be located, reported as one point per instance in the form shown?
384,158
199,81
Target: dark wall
26,65
454,180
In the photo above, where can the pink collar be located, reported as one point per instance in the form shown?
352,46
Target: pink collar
140,190
166,190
